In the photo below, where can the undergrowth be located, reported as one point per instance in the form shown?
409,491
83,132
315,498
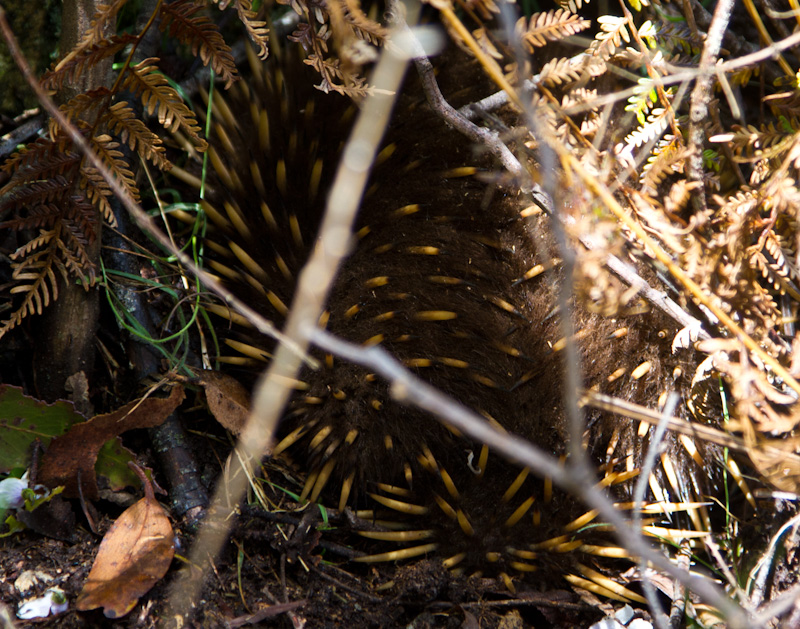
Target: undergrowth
662,149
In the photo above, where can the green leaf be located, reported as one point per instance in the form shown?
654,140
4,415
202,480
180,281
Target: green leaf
14,526
35,498
112,463
24,419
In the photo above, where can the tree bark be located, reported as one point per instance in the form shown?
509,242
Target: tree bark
65,333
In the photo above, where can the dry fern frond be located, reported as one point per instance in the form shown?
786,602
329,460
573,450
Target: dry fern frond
256,29
744,201
94,46
146,82
572,5
83,107
486,9
750,143
32,194
79,225
761,171
336,79
786,103
759,402
34,267
548,27
653,218
121,120
559,72
97,190
776,266
613,31
592,66
181,21
341,23
35,262
655,125
485,42
108,150
580,97
54,193
546,117
678,35
102,22
38,160
71,69
362,26
679,194
667,158
784,197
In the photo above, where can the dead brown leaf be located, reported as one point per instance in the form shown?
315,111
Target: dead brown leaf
228,400
135,554
72,456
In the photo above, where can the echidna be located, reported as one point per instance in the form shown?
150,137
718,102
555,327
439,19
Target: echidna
450,281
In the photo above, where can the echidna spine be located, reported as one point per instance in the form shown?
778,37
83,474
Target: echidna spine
458,293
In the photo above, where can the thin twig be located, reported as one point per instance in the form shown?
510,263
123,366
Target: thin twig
695,430
760,574
456,119
22,134
677,615
674,75
658,298
653,451
701,99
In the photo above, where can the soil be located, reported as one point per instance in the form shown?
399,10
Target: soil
326,592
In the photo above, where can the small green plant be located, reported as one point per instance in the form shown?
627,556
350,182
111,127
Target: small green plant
15,495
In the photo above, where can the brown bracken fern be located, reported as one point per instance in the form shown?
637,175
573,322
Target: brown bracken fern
549,26
343,23
57,202
53,198
618,108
